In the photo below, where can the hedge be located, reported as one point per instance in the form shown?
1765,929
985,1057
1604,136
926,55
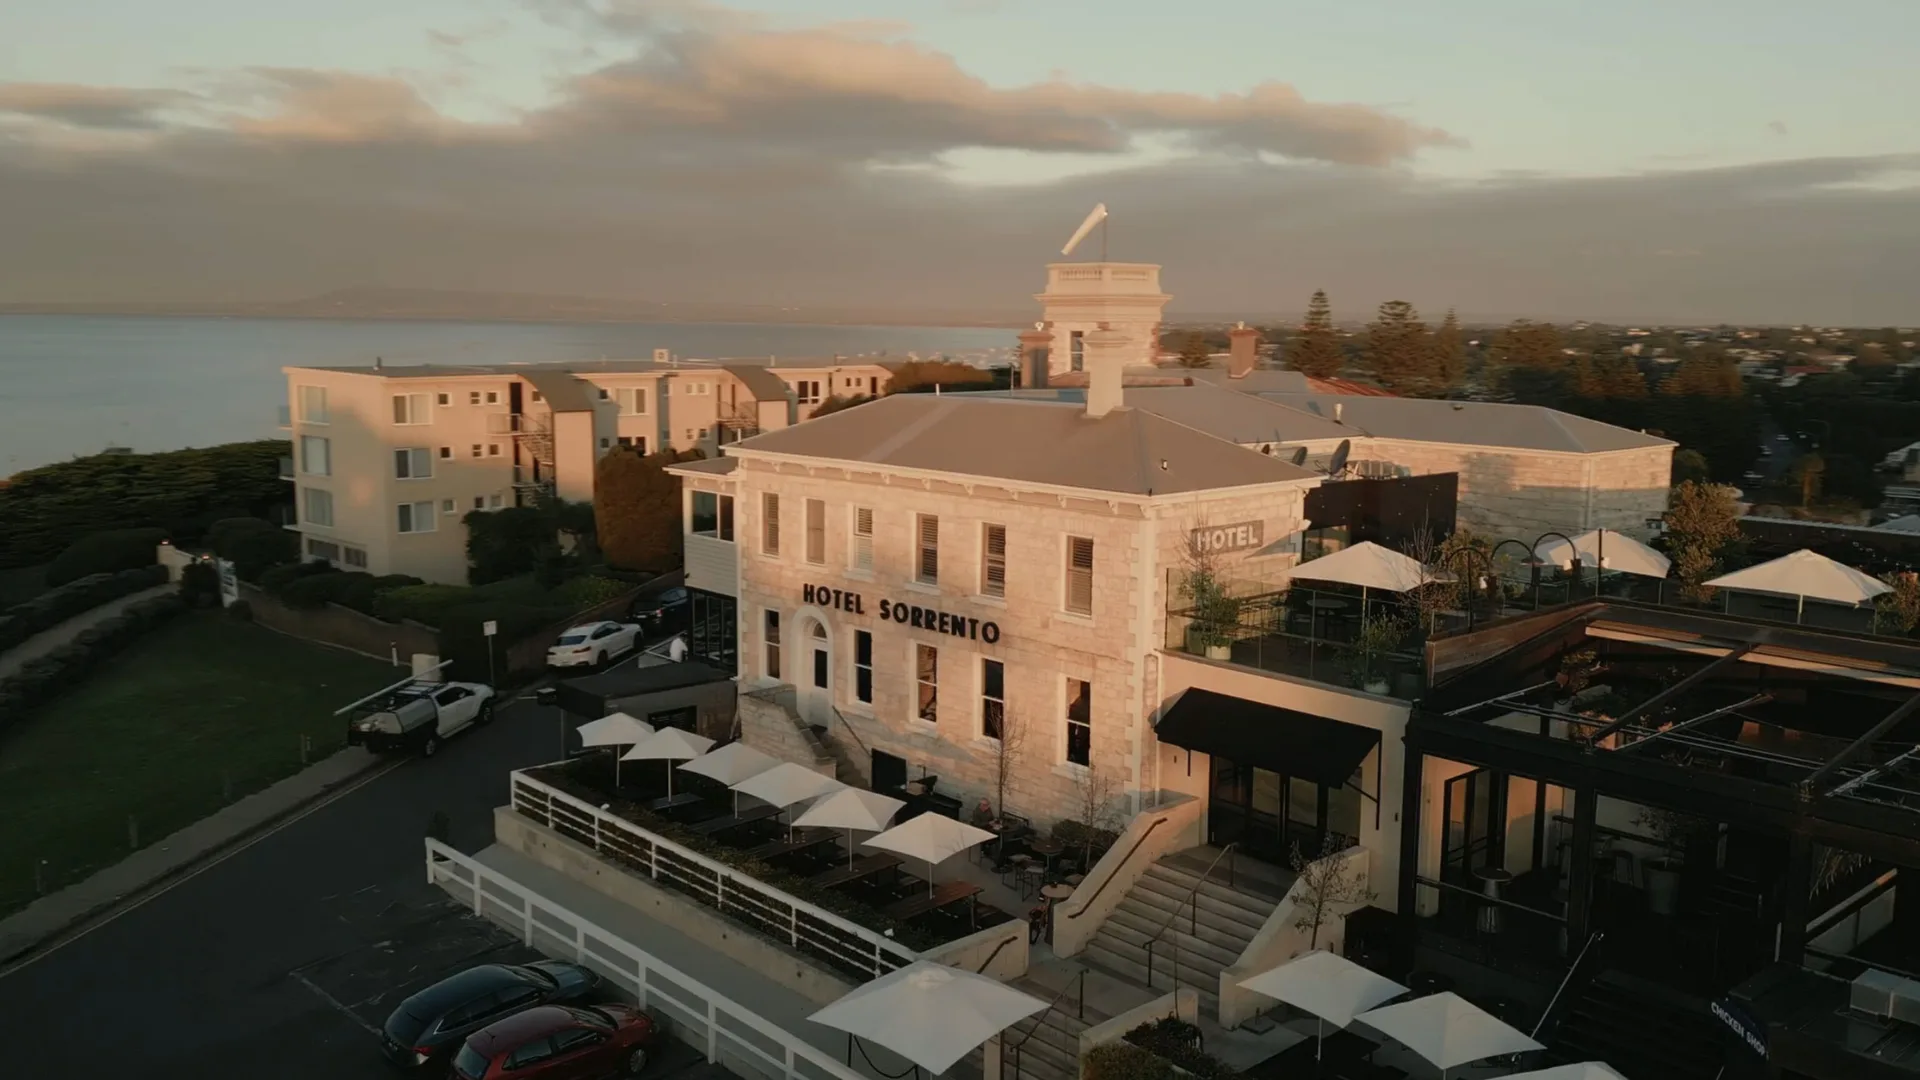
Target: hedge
56,606
566,776
1125,1061
105,553
252,545
45,510
43,678
1179,1043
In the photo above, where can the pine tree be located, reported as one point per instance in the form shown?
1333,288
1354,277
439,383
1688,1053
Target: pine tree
1529,344
1397,349
1195,352
1316,350
1620,378
1449,354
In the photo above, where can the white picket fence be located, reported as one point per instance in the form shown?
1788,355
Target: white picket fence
729,1033
804,927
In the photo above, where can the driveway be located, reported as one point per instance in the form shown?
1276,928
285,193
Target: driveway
272,961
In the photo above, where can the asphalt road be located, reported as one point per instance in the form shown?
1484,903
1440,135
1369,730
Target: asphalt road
275,960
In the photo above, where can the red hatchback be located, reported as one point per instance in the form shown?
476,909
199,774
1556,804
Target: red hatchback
559,1042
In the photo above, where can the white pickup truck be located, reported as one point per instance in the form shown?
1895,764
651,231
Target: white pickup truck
417,716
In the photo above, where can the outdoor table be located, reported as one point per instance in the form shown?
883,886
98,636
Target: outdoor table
1046,849
1032,878
1493,882
674,801
943,895
804,841
734,821
864,866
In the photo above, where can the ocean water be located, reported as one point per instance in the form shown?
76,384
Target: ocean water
78,384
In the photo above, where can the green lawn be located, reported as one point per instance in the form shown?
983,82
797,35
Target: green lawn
160,733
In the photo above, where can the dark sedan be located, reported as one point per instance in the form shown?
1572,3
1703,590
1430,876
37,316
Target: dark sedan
429,1027
663,612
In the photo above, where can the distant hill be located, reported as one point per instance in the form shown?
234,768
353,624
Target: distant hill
452,305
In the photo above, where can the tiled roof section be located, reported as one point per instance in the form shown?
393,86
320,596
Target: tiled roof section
1022,440
719,466
762,383
1347,387
1473,423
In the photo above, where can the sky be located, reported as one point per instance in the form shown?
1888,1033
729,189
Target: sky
1678,160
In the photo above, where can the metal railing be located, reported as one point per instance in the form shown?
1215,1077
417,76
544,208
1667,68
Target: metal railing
1128,857
802,926
501,423
729,1033
1078,983
1547,1016
1193,914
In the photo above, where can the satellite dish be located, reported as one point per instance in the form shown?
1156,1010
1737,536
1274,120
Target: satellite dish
1300,455
1096,217
1338,464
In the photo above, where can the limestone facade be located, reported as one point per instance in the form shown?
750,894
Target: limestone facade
1519,494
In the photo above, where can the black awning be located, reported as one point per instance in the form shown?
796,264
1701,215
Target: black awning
593,695
1285,741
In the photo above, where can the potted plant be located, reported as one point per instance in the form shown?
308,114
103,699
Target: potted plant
1662,872
1380,635
1216,615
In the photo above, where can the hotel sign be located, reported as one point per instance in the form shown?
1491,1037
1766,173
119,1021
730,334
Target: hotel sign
1224,539
920,618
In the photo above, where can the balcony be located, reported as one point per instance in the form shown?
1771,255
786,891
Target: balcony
518,424
1321,634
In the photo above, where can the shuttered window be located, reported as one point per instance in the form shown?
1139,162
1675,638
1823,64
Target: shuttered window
769,523
862,554
816,531
993,560
1080,575
926,567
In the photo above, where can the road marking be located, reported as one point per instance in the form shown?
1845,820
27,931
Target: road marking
335,1004
61,942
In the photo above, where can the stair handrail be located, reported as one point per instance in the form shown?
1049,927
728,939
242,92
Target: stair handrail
1193,915
1565,981
1104,882
845,723
1080,981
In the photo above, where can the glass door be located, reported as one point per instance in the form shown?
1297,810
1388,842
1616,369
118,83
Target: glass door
1265,813
1471,844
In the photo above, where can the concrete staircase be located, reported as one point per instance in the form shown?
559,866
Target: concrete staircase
1047,1046
1189,948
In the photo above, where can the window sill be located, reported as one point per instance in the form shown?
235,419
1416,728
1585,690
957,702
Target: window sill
857,575
711,537
982,742
861,709
922,587
917,726
990,601
1074,617
1067,770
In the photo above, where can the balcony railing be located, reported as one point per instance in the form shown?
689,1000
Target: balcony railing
517,424
1372,643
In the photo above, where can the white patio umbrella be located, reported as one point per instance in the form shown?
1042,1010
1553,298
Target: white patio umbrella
931,838
1607,550
1582,1070
1802,574
731,764
851,808
614,729
931,1014
669,744
1328,985
787,784
1447,1030
1370,566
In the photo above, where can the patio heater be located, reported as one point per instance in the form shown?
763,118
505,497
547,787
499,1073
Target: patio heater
1474,584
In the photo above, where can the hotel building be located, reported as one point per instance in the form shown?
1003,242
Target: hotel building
388,459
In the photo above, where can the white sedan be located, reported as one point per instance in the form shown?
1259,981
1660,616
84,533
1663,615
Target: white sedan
593,644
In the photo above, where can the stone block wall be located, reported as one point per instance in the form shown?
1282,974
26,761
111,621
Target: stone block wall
1520,494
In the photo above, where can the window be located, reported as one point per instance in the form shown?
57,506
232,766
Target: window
926,564
773,644
493,397
713,515
816,531
413,464
322,549
479,502
769,523
993,560
528,1054
355,557
863,667
416,517
443,398
493,448
1079,575
538,397
473,397
446,453
447,506
606,443
1077,351
926,675
604,396
318,505
993,698
494,502
316,456
862,555
575,1039
633,401
1079,721
313,404
477,450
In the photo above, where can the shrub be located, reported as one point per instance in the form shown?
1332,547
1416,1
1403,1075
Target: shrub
1179,1043
317,590
1124,1061
200,584
252,545
591,590
56,606
105,553
39,680
278,578
241,610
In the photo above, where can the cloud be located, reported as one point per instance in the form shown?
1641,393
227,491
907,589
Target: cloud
724,158
107,108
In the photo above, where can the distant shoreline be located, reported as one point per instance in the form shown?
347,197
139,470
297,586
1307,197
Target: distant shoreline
948,322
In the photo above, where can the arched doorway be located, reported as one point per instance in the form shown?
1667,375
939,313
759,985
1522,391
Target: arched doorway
816,677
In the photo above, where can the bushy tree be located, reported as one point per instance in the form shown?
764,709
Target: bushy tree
922,376
1689,465
1449,346
1527,344
104,553
1702,520
1398,352
252,545
835,403
1315,350
637,505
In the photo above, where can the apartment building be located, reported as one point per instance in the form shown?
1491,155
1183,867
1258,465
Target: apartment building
388,459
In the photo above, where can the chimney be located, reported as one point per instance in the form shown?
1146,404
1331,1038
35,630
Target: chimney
1243,352
1104,351
1036,345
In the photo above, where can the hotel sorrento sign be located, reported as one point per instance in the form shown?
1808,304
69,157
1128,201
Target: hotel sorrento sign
1226,539
920,618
